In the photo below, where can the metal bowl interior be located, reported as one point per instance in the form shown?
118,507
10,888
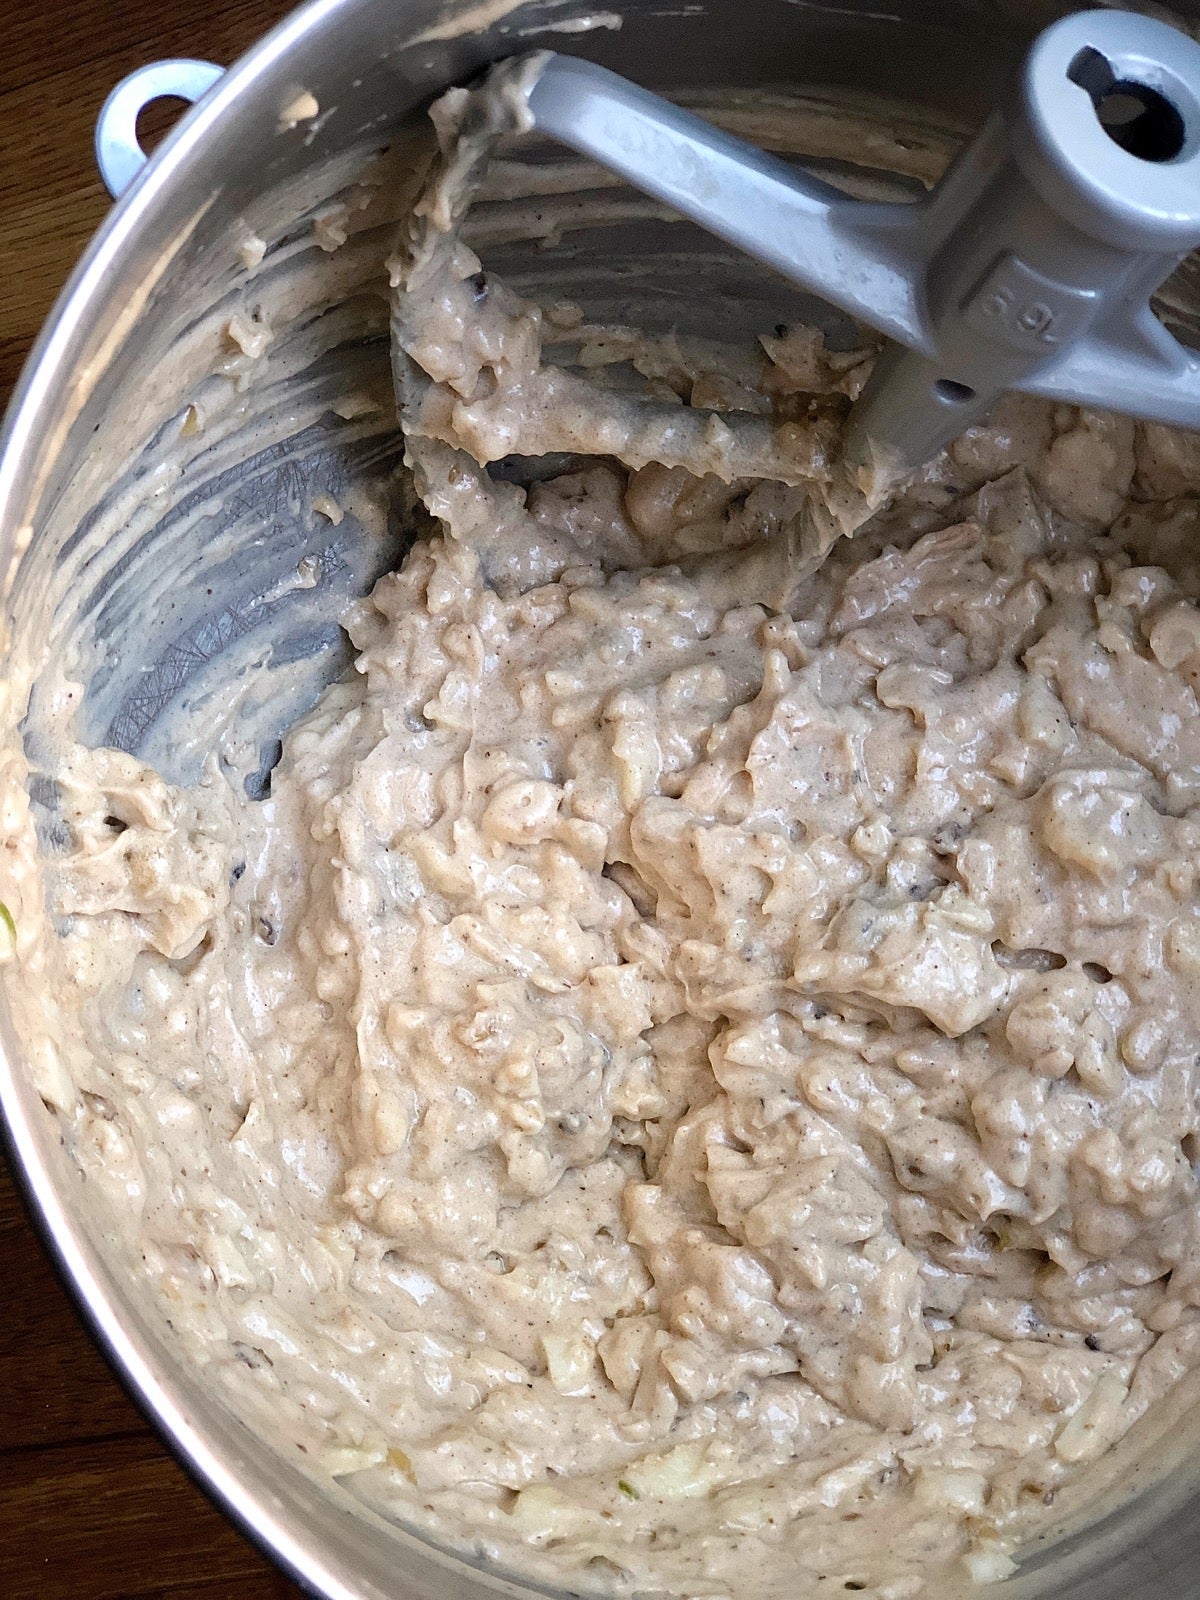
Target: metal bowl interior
187,591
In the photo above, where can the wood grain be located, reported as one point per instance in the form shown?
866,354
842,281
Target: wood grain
91,1505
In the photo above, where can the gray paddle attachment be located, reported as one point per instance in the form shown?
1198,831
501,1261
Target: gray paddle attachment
1030,266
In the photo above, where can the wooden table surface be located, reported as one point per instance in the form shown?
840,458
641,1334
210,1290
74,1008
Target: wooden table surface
91,1505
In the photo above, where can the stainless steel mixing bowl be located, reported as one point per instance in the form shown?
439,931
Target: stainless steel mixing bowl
188,588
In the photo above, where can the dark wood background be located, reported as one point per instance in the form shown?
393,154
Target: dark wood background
91,1505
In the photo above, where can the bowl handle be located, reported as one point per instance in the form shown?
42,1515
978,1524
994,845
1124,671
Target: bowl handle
118,154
